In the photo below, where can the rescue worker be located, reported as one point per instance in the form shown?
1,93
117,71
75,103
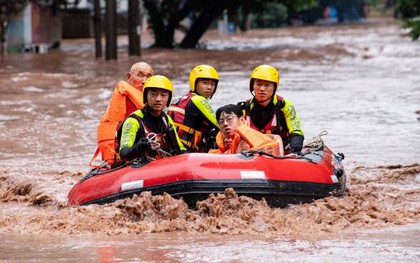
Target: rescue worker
135,135
270,113
236,136
126,98
192,113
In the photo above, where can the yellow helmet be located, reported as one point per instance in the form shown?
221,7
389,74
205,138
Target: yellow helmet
265,72
158,82
204,72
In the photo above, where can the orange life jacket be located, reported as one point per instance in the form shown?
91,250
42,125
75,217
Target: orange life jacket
255,139
115,113
221,145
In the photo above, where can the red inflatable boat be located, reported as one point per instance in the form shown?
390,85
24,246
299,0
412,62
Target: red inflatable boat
280,180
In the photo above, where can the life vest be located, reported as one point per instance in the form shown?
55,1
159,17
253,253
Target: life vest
177,112
255,139
221,144
115,113
166,138
258,140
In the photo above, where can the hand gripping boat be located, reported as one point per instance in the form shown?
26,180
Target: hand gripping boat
193,176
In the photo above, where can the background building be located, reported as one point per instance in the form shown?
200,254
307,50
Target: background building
34,29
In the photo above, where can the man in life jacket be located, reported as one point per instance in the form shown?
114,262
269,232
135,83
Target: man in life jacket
126,98
135,135
236,136
270,113
192,113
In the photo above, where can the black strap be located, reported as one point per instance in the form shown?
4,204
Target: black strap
261,152
140,120
246,106
279,105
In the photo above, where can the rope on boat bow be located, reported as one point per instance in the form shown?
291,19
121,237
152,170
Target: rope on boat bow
317,142
261,152
249,153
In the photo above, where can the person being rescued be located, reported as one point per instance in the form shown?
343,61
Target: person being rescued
270,113
145,129
192,113
236,135
126,98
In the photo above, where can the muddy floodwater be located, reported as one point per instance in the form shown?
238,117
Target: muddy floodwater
360,82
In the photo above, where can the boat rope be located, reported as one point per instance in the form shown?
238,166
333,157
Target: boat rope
155,146
261,152
153,142
316,143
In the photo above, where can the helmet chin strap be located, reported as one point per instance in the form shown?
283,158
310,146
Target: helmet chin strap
211,96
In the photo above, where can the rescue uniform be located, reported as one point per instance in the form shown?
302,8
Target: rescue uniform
196,122
278,117
139,125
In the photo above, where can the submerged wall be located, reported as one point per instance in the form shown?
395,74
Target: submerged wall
34,29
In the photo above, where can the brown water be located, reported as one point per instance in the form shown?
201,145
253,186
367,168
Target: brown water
360,82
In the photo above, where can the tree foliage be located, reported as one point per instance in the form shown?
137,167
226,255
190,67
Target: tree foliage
166,16
408,8
274,15
414,25
409,11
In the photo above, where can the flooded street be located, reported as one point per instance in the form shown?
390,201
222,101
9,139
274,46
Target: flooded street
360,82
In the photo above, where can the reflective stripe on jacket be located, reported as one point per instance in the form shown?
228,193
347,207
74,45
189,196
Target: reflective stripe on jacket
136,127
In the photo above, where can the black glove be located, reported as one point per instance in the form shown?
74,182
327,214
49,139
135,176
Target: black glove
211,139
143,145
296,142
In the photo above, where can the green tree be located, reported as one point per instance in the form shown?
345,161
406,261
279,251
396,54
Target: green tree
274,15
409,11
414,25
166,15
